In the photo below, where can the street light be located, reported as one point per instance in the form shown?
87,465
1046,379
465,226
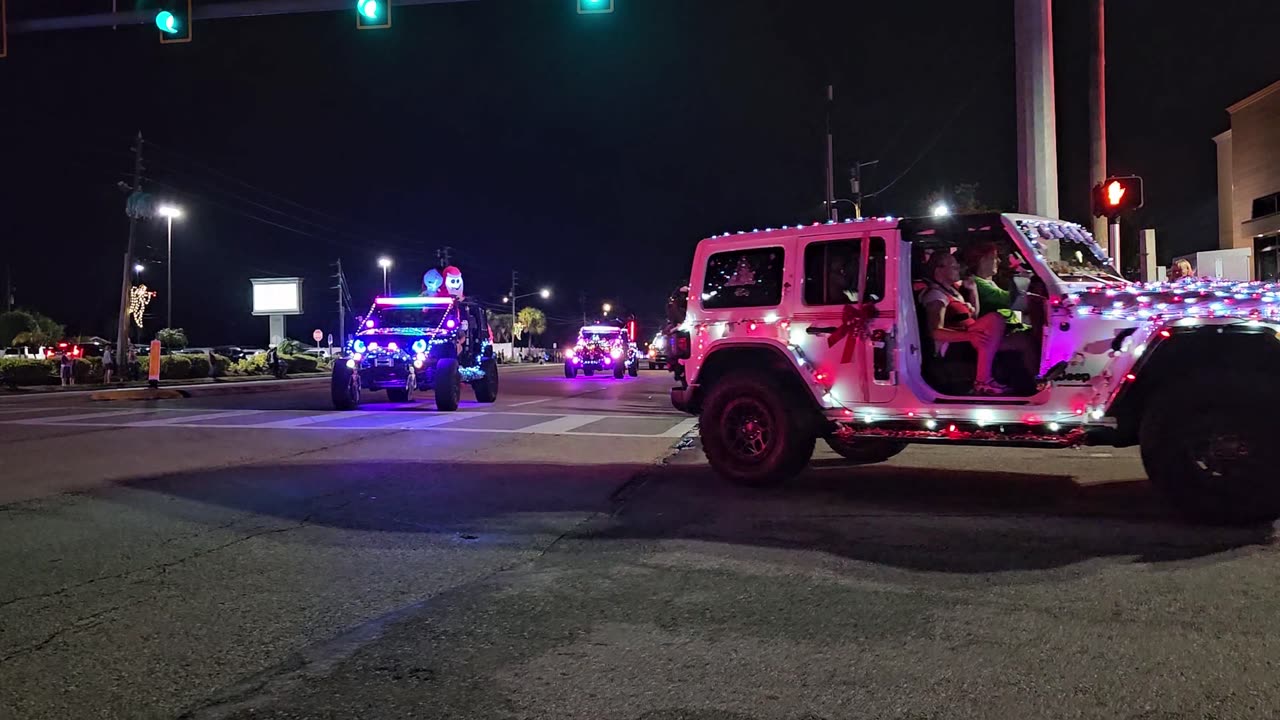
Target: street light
941,209
169,212
385,263
607,308
138,268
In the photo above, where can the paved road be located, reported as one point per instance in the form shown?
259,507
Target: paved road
556,555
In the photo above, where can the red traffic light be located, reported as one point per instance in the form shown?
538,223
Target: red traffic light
1117,195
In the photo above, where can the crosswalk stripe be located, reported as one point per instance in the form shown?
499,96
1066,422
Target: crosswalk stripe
561,425
56,419
298,421
680,429
188,419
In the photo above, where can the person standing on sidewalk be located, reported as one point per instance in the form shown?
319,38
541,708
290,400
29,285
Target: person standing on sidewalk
67,364
108,365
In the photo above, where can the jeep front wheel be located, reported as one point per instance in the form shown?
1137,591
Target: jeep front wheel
1211,448
448,385
344,387
750,432
861,451
570,370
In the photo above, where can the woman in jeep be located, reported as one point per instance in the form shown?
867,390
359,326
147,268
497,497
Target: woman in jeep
953,316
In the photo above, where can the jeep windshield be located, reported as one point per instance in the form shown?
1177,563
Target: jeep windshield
1068,250
385,319
599,335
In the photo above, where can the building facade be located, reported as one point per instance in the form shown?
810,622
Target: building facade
1249,181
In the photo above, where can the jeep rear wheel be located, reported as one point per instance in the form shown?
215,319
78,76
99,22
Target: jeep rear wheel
862,451
634,369
448,384
750,432
618,371
486,388
1210,446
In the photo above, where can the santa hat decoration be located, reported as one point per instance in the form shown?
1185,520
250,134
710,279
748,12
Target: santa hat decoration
453,281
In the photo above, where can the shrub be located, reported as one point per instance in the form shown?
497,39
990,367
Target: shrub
172,338
199,366
255,365
87,370
175,367
221,365
24,371
301,363
289,346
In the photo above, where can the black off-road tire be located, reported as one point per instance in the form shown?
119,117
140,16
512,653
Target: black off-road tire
865,452
1211,445
448,385
634,369
753,433
344,387
570,370
618,371
486,388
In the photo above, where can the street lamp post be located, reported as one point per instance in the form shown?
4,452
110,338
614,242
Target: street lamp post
169,212
544,293
607,308
385,264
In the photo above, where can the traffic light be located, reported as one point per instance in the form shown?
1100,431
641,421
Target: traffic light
174,21
1117,195
594,7
373,14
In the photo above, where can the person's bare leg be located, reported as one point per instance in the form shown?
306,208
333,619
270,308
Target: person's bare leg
994,325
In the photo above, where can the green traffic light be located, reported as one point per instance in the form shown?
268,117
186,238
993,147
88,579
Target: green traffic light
369,8
167,22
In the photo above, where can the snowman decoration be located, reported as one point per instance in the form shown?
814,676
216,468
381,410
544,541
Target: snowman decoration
453,282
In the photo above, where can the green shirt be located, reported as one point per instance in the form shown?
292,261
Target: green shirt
993,298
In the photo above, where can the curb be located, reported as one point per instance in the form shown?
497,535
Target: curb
140,394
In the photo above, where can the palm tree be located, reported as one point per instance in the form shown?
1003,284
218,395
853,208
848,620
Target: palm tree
534,322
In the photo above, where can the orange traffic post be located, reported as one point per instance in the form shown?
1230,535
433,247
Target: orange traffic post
153,369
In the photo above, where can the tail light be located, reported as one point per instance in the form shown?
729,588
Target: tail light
682,345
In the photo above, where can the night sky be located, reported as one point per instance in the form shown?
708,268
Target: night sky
590,153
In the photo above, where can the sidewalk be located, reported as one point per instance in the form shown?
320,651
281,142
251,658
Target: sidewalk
25,390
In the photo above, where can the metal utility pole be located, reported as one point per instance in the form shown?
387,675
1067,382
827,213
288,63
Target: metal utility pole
344,302
1098,103
444,255
582,303
1037,125
8,289
122,321
168,283
513,313
855,182
832,214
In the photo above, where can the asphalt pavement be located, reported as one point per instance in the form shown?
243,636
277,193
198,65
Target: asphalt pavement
566,553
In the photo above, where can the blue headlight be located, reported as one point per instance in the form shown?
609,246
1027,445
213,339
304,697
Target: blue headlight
358,346
419,345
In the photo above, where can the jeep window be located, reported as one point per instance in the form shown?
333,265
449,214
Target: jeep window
831,272
743,278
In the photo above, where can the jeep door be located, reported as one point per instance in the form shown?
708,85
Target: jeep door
846,312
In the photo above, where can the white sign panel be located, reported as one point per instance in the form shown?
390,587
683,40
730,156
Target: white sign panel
277,296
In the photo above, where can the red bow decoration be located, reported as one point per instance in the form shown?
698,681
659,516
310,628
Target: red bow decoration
853,328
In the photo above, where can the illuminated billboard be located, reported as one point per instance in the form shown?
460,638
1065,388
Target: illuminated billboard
277,296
